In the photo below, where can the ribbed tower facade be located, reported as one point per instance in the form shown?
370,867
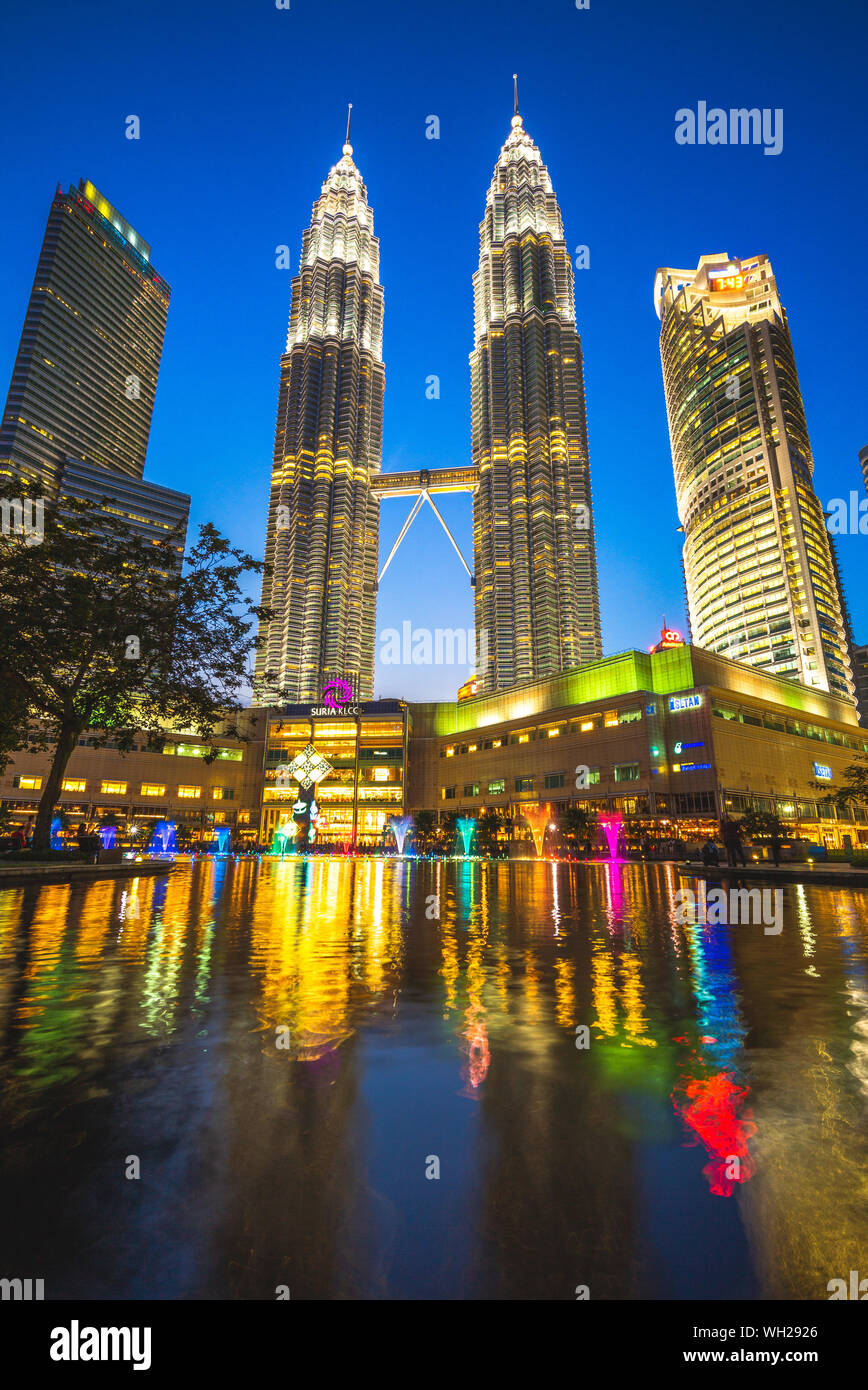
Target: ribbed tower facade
759,571
323,522
85,375
537,605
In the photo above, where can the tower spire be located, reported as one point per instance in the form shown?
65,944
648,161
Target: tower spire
348,149
516,118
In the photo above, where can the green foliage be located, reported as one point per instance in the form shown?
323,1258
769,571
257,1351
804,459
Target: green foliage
762,825
423,832
853,791
578,823
489,826
70,608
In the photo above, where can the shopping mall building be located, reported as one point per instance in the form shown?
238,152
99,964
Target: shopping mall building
673,738
676,738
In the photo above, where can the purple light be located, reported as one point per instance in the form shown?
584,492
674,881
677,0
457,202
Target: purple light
612,829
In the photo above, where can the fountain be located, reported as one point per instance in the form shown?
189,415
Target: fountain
55,840
399,825
284,834
537,818
224,836
465,826
107,835
611,825
164,839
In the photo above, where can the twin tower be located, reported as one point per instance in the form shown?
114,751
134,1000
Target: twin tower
535,580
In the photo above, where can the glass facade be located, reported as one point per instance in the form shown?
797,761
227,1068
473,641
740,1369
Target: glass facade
535,559
323,522
759,573
85,376
365,782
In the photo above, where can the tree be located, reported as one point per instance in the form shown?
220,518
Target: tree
762,825
424,825
578,824
488,828
852,792
103,631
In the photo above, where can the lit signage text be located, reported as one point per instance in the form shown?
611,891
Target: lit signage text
680,702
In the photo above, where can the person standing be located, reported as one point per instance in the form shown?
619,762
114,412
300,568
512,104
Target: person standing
732,839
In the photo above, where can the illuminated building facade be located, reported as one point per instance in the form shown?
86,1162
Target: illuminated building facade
364,747
148,785
860,676
760,578
149,510
85,376
672,739
323,521
535,561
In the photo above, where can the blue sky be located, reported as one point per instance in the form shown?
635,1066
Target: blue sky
242,109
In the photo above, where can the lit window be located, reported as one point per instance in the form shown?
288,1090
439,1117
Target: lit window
113,788
189,793
73,784
153,789
29,784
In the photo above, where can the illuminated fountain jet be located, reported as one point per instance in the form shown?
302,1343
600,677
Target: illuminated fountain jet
611,826
399,826
537,818
465,826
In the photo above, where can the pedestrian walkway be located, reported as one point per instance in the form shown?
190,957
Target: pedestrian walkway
844,875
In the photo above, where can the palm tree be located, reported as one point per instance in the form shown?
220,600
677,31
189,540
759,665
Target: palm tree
424,827
578,824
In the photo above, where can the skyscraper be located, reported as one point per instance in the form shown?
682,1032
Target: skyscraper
537,605
323,521
85,376
760,578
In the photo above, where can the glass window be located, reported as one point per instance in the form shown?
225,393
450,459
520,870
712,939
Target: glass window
113,788
626,772
497,788
189,793
153,789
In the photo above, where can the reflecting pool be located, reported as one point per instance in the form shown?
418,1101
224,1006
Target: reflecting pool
421,1079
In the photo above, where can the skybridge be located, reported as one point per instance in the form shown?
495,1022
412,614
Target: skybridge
421,483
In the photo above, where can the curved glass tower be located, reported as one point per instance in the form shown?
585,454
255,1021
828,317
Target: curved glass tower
323,521
537,606
759,573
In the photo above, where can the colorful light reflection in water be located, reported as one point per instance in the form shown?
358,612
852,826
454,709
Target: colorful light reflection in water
154,1008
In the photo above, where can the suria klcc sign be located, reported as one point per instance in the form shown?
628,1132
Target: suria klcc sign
336,695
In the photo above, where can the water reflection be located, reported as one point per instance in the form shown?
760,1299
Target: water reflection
285,1046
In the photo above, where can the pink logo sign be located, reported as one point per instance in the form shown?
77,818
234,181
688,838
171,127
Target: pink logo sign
337,693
